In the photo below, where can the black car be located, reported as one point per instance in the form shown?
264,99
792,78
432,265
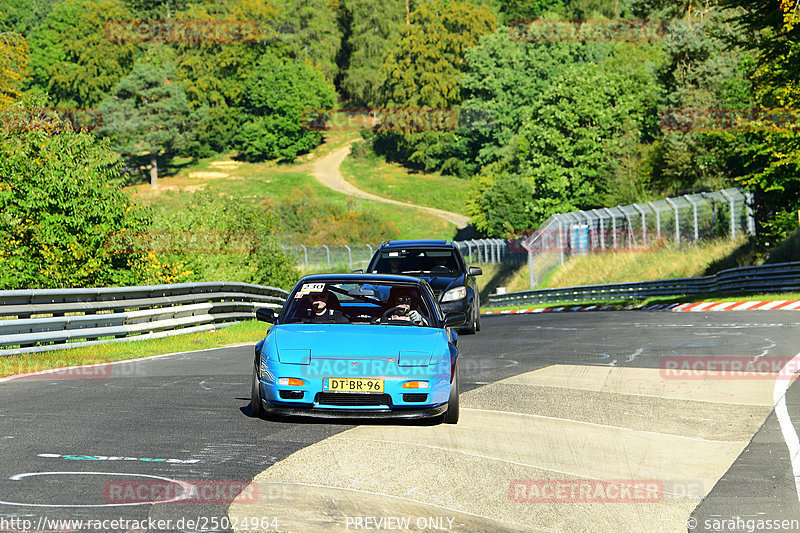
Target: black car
442,266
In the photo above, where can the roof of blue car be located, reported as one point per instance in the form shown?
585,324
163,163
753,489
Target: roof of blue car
374,278
417,243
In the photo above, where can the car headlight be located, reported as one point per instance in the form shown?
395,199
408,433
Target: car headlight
459,293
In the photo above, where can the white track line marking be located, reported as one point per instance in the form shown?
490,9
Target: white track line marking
187,488
54,370
787,428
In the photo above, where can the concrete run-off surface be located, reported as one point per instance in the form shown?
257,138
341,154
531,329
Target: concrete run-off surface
612,428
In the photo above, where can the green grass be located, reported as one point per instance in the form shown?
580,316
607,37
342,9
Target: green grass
390,180
243,332
665,262
261,182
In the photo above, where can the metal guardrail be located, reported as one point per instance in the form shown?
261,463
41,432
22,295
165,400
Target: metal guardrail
778,277
54,319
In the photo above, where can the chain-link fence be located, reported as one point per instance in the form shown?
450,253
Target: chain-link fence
688,218
355,256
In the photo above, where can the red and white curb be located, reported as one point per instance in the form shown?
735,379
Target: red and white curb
698,307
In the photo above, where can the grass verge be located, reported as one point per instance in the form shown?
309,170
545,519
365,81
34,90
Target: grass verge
243,332
389,180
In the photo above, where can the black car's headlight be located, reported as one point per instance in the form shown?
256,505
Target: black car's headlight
459,293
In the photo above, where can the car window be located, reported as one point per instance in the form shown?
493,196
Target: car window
354,303
417,261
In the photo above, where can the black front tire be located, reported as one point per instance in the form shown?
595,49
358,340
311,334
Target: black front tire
256,407
451,415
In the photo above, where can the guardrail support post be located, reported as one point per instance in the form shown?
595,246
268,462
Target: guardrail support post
531,275
349,256
560,240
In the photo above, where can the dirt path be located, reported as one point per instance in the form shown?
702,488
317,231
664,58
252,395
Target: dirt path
326,171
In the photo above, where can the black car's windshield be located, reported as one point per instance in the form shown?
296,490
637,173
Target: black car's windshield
358,303
417,261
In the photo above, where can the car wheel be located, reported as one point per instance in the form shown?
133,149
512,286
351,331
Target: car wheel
477,313
451,415
256,408
473,326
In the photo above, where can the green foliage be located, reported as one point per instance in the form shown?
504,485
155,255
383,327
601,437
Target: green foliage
307,218
148,112
221,238
280,93
59,213
502,206
374,30
424,68
768,156
70,56
312,33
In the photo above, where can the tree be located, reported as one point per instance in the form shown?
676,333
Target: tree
374,30
768,161
71,58
311,33
424,68
148,112
281,95
225,238
59,213
13,62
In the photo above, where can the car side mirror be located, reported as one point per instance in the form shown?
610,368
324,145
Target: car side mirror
265,314
475,271
359,271
455,319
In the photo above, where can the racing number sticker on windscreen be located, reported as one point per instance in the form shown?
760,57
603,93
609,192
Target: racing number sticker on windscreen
309,287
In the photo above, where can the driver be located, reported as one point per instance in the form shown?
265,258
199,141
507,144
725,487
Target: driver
404,300
325,307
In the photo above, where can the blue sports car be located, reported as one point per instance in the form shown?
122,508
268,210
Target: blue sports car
358,345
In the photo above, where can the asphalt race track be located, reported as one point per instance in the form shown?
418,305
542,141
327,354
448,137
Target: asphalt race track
570,422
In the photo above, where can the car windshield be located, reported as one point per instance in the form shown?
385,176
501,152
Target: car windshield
416,261
358,303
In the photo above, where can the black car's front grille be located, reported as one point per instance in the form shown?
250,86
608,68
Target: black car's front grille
347,398
416,397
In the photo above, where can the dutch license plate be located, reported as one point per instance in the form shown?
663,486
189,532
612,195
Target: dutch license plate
352,385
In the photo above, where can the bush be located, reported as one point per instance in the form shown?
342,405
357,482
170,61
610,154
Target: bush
60,213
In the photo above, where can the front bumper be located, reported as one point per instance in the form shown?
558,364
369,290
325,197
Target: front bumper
394,402
406,413
459,306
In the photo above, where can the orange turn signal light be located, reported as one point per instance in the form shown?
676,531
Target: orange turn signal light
291,381
415,385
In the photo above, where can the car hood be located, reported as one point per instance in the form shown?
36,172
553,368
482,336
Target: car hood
441,284
303,342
